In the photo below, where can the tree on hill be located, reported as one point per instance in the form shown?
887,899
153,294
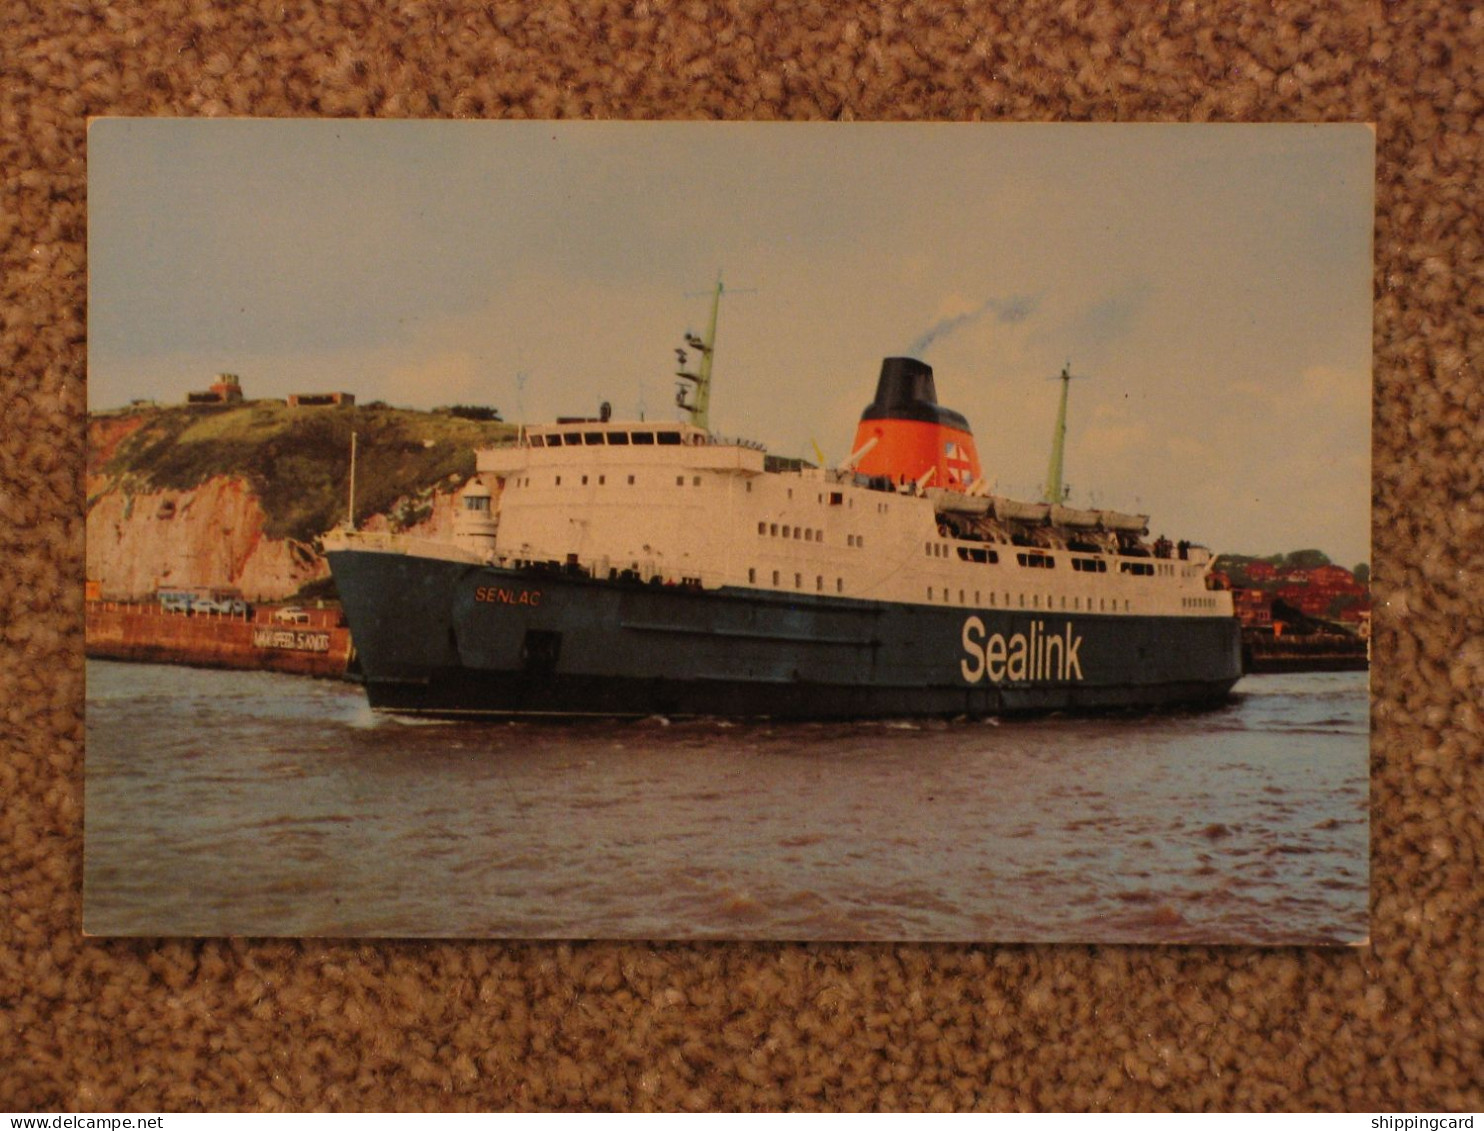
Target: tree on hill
1362,573
1306,559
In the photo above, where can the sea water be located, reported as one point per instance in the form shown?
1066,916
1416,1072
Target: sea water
231,803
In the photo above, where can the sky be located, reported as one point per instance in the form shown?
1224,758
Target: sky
1210,286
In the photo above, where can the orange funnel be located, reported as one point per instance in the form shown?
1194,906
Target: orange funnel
913,432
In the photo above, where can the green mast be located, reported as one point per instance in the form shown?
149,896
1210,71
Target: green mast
1055,491
699,404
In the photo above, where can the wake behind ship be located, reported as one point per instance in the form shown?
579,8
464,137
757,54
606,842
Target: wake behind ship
624,568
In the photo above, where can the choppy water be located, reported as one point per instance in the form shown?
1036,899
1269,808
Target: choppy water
258,804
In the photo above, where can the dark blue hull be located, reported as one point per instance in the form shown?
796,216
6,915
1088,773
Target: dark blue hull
446,638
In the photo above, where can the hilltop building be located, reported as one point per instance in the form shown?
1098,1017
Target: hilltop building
226,390
321,400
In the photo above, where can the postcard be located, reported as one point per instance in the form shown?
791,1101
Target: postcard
879,532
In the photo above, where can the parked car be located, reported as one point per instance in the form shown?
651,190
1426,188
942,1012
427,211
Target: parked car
175,602
228,606
291,615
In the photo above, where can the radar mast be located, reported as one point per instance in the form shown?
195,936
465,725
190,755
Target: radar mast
693,393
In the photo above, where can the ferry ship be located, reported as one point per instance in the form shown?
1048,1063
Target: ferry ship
615,568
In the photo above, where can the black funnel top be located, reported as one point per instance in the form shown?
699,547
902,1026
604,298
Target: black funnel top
906,392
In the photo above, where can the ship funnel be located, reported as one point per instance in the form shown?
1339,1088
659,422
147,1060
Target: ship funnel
908,435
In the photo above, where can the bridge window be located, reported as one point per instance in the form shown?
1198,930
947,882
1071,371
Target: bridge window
669,438
643,437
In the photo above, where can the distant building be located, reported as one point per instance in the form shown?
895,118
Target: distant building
1254,608
227,390
321,400
1261,571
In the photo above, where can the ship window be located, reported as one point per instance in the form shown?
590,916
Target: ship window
670,438
839,585
960,596
602,481
930,592
751,575
592,437
775,577
695,481
558,480
584,480
537,441
798,581
1035,600
808,536
762,528
836,498
819,584
1022,600
860,539
631,480
643,437
773,529
786,529
572,439
619,438
553,441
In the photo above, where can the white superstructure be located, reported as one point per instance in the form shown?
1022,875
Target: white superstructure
670,501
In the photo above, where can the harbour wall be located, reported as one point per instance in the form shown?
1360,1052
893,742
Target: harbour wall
317,645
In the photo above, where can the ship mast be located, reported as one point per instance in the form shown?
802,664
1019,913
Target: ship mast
699,402
1055,490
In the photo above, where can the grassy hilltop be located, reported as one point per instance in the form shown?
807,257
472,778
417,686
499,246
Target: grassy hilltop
296,459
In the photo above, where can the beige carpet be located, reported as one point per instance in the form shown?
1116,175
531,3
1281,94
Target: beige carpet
185,1025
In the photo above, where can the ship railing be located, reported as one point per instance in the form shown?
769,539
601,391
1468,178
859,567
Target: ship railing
391,543
735,442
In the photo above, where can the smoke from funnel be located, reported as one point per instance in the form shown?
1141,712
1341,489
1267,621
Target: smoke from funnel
1005,312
